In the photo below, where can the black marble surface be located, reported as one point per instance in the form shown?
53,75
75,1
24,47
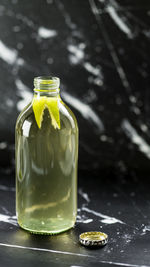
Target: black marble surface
121,209
100,50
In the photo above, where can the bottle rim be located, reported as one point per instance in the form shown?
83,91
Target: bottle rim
42,83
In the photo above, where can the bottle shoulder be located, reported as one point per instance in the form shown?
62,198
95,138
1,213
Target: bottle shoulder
67,114
67,117
24,113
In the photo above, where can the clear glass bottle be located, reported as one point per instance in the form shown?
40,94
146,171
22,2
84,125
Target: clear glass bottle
46,161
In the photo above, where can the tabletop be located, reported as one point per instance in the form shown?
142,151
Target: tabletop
118,206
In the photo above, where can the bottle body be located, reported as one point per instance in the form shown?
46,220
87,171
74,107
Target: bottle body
46,171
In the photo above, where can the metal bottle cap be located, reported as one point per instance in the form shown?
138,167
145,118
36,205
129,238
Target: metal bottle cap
93,239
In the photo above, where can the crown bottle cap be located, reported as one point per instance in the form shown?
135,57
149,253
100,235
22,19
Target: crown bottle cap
93,239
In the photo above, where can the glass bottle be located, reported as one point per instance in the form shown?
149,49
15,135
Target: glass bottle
46,161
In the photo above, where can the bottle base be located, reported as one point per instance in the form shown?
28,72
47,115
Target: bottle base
41,231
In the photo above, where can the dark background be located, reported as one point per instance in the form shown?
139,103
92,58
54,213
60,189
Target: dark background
100,51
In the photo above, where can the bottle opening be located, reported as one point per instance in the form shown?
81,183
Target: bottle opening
43,83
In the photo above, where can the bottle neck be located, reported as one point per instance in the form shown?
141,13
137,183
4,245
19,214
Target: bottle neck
46,86
46,93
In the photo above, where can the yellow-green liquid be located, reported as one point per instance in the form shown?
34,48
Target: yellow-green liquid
46,172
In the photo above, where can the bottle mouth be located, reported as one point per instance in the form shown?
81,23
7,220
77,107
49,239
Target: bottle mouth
43,83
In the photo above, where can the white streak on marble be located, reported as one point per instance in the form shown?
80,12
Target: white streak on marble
84,195
8,219
45,250
81,220
7,188
136,138
110,47
98,81
24,93
132,98
119,21
146,228
146,33
85,110
105,138
9,103
77,53
46,33
7,54
144,127
106,219
136,110
123,264
94,70
110,221
4,209
88,221
20,61
3,145
65,14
